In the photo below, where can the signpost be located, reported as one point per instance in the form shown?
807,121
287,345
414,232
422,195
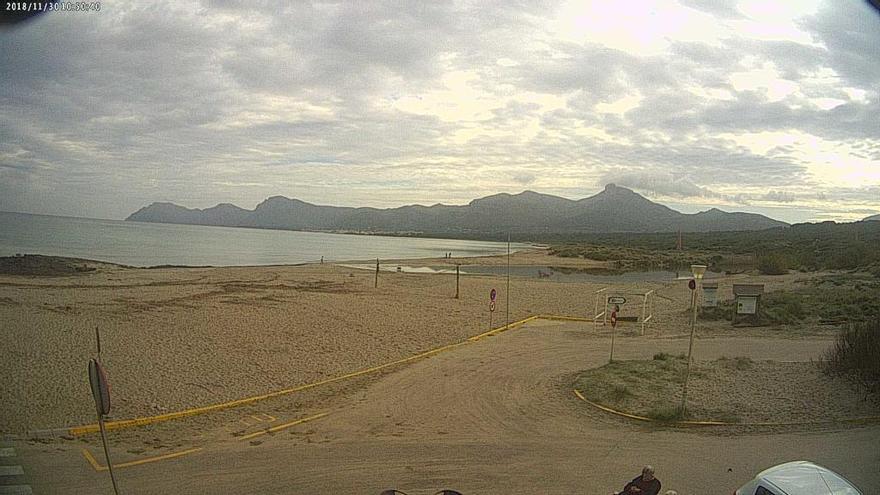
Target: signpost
616,300
492,295
101,394
613,327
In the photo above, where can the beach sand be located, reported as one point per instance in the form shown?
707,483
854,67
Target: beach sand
176,338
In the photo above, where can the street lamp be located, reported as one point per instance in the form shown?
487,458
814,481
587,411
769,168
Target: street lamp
698,271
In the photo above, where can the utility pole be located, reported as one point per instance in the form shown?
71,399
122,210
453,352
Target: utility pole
508,281
698,271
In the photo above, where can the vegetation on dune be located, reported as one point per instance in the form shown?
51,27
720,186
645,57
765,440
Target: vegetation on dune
804,247
829,299
855,355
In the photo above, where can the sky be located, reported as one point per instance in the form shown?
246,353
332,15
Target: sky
767,107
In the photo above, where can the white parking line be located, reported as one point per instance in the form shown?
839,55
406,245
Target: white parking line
11,471
7,451
15,490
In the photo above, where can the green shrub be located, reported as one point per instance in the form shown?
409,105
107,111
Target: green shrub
772,264
855,354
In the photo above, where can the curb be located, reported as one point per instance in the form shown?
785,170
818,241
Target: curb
615,412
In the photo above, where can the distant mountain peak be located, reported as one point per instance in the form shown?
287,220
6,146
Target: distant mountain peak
614,209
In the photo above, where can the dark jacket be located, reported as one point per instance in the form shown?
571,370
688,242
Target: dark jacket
647,487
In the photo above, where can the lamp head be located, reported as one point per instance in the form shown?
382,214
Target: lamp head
698,271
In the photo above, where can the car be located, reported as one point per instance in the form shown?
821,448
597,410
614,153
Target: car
798,478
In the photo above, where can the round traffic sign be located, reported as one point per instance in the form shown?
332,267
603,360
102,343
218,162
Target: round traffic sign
492,295
100,387
491,306
613,319
692,285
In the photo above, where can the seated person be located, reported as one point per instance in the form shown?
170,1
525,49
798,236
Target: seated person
646,484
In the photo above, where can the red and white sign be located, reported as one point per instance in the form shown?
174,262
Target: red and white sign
613,319
492,295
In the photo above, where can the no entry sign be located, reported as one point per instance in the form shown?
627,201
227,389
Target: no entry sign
100,387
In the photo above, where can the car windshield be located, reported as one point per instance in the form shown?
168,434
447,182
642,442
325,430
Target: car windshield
544,246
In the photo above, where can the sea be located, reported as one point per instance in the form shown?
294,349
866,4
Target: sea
154,244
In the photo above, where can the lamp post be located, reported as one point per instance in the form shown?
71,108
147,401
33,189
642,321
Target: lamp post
698,271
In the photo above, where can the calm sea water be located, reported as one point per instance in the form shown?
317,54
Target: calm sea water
149,244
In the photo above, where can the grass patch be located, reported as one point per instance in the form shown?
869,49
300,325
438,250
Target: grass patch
738,363
666,413
619,393
652,388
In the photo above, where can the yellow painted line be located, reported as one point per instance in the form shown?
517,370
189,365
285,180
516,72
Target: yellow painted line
504,328
281,427
98,467
264,417
564,318
612,411
129,423
722,423
92,461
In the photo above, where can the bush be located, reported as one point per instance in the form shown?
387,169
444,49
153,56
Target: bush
855,355
772,264
783,307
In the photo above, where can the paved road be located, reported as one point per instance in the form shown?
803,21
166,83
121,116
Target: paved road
495,417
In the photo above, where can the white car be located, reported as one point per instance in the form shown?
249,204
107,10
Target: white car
798,478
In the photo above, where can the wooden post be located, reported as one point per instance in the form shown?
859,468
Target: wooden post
98,340
456,280
376,283
611,358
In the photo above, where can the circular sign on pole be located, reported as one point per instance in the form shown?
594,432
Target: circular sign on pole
692,284
100,387
614,319
492,295
491,305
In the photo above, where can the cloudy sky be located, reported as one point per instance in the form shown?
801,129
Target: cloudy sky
757,106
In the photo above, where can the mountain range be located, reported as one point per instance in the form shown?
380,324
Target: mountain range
615,209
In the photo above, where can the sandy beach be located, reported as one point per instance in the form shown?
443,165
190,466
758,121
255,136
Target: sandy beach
175,338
